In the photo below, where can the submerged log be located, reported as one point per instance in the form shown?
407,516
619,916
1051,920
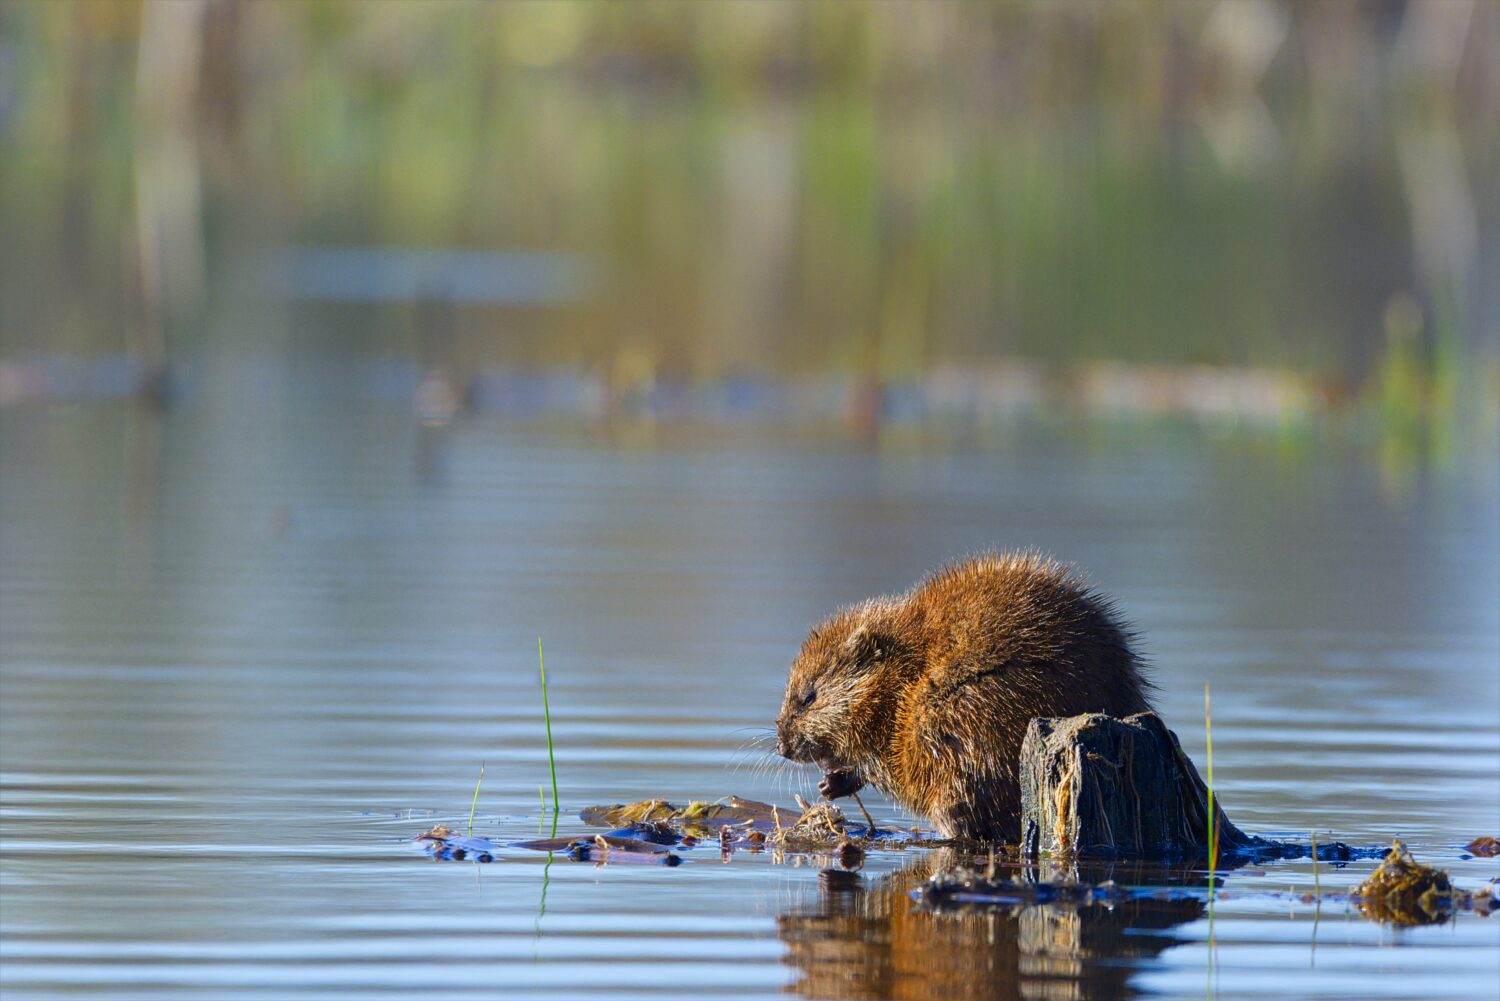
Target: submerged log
1094,785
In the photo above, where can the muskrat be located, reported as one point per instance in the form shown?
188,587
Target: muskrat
927,695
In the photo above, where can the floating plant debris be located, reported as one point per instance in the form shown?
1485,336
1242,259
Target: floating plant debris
697,818
807,827
1403,891
821,828
650,831
821,825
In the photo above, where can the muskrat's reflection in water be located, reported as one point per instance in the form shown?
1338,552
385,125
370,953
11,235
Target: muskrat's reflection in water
865,938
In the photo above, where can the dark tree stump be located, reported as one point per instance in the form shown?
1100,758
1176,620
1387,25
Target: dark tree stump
1094,785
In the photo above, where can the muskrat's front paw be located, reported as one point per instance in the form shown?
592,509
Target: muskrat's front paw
840,782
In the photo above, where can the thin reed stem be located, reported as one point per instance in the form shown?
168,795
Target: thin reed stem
1317,885
474,805
547,714
1213,815
1213,837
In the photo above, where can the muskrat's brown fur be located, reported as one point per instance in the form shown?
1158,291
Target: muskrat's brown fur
928,695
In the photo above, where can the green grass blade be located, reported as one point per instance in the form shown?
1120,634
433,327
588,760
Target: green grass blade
475,804
1213,839
547,713
1213,817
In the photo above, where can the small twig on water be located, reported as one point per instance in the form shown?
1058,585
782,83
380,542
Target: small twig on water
868,819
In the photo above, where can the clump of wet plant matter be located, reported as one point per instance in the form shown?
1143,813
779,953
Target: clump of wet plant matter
1403,891
820,824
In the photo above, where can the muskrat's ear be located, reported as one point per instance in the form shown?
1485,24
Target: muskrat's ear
864,646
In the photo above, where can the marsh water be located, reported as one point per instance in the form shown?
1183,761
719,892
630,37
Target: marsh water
250,649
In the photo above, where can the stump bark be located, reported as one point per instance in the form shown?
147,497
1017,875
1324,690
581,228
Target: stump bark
1094,785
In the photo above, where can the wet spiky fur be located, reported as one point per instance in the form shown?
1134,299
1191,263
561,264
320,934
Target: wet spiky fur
927,695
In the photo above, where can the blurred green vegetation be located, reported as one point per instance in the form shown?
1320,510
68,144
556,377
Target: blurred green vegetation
782,189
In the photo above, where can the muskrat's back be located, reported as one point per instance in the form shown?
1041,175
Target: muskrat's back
928,695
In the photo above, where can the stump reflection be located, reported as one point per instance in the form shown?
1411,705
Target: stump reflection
865,938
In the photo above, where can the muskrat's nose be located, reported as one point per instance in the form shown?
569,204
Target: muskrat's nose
782,747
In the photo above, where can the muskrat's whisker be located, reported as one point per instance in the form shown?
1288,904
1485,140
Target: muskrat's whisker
756,764
755,745
757,740
788,773
740,755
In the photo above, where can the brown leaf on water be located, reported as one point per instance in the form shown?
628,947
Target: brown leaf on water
1484,846
438,833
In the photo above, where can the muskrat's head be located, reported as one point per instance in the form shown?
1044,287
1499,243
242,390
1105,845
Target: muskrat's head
837,696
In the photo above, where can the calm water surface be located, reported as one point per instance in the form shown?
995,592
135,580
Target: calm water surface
250,651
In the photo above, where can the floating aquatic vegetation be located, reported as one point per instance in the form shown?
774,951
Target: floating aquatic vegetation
820,825
821,822
650,831
697,818
743,824
1403,891
820,829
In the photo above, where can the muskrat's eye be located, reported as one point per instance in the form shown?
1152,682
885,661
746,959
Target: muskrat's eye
807,700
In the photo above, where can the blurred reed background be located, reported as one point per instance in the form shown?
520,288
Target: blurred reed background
1248,213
